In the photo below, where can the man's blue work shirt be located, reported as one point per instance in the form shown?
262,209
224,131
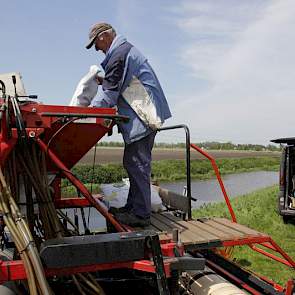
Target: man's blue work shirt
123,63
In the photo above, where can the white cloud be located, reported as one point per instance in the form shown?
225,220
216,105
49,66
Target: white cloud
245,52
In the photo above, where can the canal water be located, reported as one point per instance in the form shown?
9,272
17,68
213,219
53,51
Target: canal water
205,191
208,191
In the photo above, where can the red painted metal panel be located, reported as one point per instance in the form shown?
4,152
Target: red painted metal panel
14,270
142,265
72,142
69,140
5,148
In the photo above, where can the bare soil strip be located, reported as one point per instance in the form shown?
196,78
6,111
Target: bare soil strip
115,155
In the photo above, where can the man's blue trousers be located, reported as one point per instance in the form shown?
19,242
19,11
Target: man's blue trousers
137,161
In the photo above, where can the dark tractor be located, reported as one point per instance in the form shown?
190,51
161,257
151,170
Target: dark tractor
286,196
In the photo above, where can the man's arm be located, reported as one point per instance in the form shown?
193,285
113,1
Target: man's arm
111,85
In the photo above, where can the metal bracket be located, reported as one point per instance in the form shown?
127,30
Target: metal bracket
154,244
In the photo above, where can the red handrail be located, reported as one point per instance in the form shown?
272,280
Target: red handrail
231,211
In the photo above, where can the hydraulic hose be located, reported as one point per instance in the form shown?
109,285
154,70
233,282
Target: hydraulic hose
23,240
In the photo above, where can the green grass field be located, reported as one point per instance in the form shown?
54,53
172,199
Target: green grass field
258,211
168,170
173,170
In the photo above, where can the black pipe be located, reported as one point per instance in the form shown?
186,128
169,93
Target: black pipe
188,164
115,117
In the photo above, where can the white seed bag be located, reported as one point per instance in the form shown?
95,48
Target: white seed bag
117,193
86,89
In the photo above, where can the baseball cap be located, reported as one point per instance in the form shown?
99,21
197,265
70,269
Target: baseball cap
95,30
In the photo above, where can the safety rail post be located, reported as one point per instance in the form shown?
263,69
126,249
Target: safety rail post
188,164
213,163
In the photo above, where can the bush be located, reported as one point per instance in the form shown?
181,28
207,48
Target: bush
71,191
172,170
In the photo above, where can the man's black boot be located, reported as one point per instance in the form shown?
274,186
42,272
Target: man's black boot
129,218
115,210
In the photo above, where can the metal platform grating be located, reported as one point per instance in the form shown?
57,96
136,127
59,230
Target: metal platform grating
203,232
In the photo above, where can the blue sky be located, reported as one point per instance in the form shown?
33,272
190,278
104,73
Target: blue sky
227,67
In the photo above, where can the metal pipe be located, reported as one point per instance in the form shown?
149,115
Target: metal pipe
81,116
289,262
231,211
188,164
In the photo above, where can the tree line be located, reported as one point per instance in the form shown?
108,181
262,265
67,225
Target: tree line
208,145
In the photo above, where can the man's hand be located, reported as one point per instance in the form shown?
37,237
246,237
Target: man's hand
99,80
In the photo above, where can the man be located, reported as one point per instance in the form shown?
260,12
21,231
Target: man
131,85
